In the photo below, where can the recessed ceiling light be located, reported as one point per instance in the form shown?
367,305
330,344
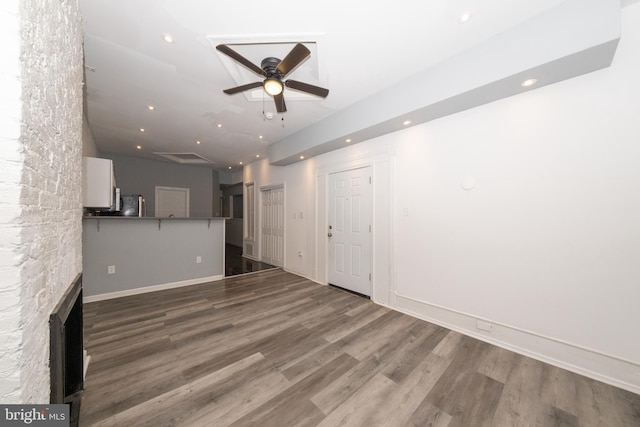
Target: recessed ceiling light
240,162
151,107
219,125
529,82
229,167
260,136
257,156
141,129
168,38
198,142
464,17
301,157
139,147
406,122
348,140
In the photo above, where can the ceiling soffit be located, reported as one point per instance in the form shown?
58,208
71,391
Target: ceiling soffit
575,38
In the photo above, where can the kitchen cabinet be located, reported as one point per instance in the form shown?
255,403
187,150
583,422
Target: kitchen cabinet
98,183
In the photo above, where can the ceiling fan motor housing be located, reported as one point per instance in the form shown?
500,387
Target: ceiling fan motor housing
269,67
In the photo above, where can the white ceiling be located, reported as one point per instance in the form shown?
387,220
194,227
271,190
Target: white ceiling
359,48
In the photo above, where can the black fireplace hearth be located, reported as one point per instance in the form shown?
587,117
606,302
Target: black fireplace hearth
66,358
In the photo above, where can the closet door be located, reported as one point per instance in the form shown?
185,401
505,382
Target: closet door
273,226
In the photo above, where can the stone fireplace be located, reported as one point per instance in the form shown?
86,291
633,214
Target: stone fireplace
41,145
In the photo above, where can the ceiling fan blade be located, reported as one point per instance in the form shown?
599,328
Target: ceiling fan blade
280,105
306,87
242,88
241,59
298,54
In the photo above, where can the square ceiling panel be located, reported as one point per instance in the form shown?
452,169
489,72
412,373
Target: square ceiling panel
257,47
185,158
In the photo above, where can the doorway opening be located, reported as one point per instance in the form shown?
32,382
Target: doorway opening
172,202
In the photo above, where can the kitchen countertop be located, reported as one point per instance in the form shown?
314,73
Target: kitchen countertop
155,218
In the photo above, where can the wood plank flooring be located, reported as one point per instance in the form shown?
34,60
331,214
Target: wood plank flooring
274,349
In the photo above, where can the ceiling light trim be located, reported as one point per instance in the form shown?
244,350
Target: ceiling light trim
185,158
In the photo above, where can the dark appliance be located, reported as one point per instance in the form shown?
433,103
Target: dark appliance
132,205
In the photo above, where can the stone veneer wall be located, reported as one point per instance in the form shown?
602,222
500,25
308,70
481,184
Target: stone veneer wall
41,74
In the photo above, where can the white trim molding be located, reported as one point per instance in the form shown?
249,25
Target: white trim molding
609,369
153,288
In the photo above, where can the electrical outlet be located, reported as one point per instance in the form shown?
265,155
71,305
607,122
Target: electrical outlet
111,269
198,259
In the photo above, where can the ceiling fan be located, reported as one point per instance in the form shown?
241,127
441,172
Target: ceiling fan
274,70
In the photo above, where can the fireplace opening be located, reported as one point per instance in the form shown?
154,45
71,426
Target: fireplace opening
66,359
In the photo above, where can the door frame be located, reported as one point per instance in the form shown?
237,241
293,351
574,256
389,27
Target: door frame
370,216
382,162
322,215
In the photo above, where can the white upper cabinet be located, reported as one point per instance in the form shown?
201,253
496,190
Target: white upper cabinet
98,182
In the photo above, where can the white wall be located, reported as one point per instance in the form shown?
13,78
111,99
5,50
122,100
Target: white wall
545,247
89,147
547,241
40,183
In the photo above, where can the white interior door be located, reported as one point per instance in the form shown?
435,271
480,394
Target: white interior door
172,201
349,229
273,226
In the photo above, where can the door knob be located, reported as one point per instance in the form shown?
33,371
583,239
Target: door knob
329,234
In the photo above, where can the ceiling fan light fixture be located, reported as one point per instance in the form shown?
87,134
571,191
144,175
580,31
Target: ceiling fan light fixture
273,86
464,17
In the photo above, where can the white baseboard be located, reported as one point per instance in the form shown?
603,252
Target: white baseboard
305,276
609,369
153,288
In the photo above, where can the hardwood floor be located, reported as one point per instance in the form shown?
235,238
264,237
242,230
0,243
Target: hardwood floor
236,264
274,349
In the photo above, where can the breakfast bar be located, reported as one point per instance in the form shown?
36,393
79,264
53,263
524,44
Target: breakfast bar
131,255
